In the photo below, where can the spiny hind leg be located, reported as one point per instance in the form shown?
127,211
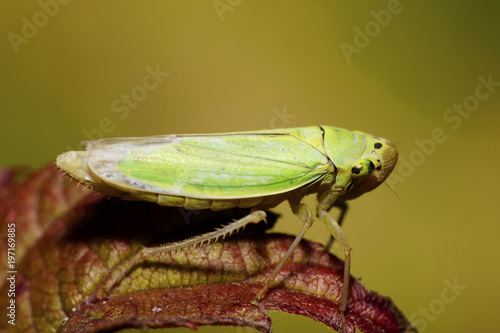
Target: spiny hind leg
306,215
146,253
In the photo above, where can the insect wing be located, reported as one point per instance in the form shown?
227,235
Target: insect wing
216,167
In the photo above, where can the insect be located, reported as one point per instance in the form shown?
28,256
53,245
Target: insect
254,169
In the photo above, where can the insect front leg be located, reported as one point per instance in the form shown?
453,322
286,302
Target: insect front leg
326,202
147,253
343,211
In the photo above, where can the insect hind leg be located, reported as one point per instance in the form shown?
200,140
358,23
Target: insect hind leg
146,253
224,231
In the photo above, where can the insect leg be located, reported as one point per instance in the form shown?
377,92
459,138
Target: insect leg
343,210
326,202
254,217
146,253
306,215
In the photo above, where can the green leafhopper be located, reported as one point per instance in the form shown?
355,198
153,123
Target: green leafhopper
254,169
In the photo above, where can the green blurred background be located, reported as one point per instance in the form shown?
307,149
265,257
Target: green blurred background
393,69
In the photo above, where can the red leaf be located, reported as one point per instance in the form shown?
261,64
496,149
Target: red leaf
69,240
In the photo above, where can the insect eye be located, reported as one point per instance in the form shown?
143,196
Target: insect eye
362,169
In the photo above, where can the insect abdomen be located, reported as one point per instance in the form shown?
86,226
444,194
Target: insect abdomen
215,205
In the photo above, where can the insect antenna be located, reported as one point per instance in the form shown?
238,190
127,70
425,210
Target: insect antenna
392,190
